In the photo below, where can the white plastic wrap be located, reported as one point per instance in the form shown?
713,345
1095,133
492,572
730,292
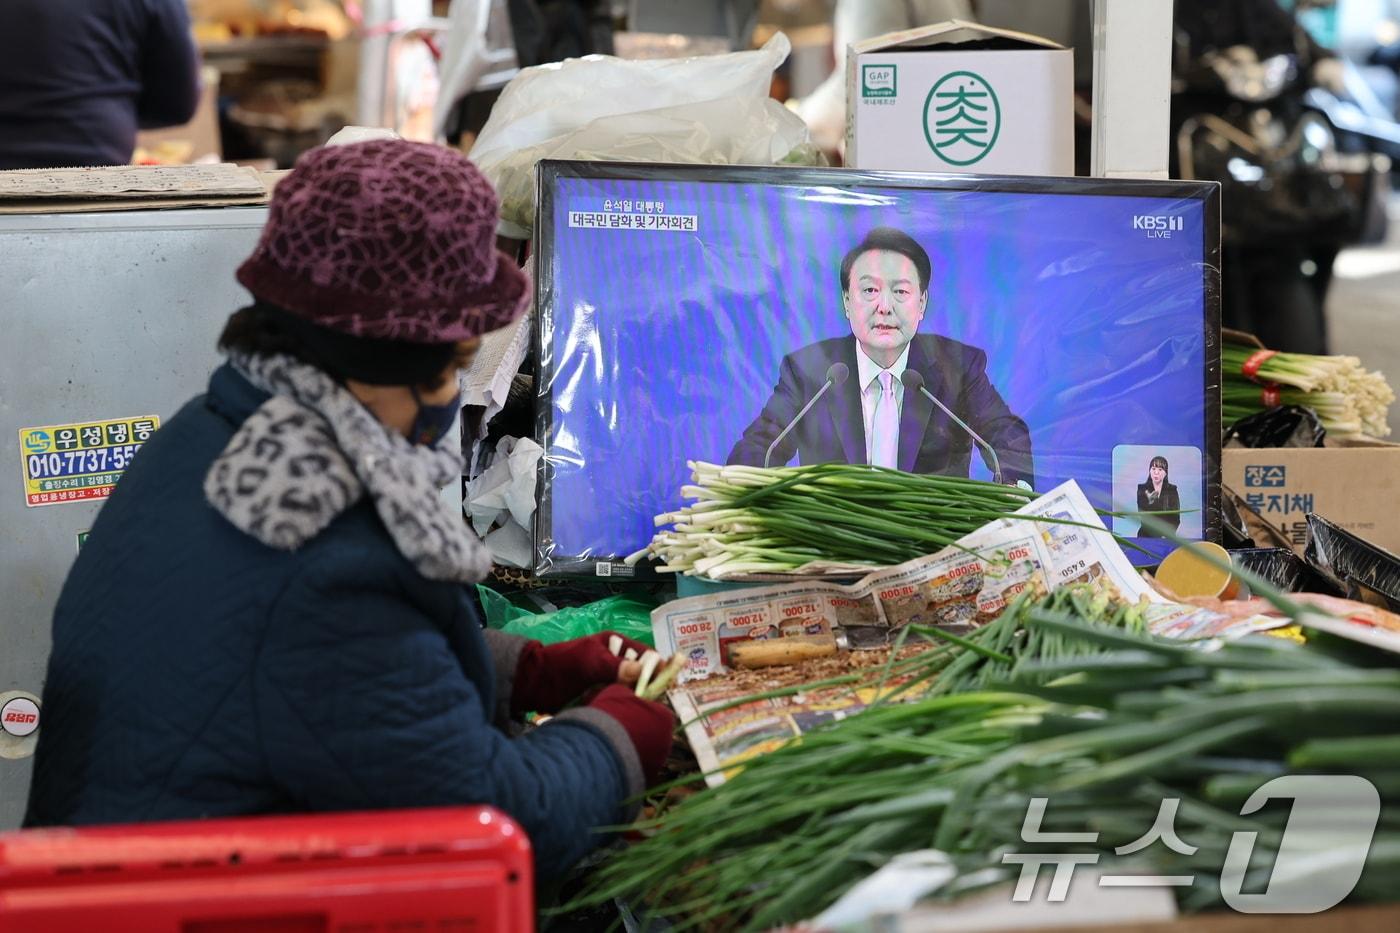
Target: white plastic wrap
478,52
711,109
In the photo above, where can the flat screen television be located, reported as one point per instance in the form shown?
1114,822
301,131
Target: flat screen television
689,312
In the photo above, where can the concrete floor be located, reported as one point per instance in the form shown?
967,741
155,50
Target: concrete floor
1363,307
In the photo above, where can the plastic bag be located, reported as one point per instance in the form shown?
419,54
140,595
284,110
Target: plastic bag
711,109
625,615
1363,570
1285,426
500,501
1284,569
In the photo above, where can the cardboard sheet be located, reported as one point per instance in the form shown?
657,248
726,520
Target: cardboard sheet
131,187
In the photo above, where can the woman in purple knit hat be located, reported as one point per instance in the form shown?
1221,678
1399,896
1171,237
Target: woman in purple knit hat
270,613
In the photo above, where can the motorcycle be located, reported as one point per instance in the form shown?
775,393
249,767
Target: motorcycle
1303,173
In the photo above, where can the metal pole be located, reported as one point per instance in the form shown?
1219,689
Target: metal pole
374,62
1132,88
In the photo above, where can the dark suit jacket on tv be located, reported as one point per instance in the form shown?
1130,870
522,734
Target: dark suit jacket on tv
929,442
1168,501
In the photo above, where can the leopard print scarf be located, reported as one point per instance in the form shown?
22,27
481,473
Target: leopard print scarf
312,451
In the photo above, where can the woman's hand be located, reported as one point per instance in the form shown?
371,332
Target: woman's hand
628,672
634,656
549,677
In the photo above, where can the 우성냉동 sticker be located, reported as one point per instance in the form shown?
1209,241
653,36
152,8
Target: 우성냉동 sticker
76,462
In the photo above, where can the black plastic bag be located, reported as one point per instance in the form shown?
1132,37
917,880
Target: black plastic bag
1285,426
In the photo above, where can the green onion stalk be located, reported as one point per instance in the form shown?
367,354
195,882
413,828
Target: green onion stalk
776,519
1337,411
1347,398
1070,701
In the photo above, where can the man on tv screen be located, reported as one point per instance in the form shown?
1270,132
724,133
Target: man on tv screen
870,410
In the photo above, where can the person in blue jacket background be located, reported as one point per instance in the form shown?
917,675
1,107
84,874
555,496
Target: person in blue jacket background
270,613
78,78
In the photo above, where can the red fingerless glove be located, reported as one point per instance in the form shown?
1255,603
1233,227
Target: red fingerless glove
549,677
648,724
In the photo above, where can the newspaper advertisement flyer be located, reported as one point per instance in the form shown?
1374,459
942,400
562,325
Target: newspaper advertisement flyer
1190,623
733,734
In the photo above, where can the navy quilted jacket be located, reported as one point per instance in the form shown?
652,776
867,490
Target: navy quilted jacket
198,673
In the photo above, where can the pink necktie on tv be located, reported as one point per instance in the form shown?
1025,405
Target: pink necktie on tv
884,444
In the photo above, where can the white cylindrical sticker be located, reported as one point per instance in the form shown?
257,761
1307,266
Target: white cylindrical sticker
19,717
19,723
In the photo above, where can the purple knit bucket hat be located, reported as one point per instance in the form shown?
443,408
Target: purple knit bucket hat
387,239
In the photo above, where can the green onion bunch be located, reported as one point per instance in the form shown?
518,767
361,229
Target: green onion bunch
1206,727
772,520
1348,399
1007,648
1104,721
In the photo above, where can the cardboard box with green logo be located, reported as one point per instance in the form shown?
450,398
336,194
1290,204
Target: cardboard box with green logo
958,97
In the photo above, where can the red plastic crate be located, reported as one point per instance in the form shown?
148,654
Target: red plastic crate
447,870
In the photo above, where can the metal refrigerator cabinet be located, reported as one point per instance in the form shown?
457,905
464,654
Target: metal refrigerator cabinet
105,319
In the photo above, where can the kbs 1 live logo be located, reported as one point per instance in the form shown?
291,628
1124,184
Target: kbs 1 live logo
1157,227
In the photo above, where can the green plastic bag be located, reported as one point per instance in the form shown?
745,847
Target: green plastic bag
626,615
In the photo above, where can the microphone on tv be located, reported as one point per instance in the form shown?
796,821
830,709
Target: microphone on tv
913,381
836,374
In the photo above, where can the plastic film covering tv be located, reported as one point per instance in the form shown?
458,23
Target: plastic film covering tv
692,312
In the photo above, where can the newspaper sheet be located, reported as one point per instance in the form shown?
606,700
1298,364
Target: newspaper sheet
732,734
486,382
